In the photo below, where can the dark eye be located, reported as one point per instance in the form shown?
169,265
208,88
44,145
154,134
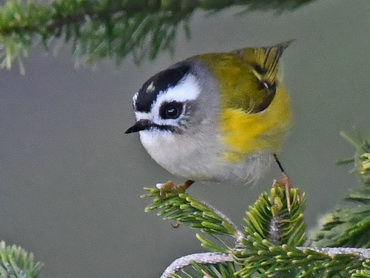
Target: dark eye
171,110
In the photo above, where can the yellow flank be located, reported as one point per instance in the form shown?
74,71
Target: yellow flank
245,133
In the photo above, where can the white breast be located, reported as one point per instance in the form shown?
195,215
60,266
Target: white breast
200,157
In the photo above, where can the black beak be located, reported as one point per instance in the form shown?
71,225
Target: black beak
139,125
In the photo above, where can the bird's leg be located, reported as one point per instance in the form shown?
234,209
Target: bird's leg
286,182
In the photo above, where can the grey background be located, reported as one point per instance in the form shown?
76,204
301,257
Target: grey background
71,180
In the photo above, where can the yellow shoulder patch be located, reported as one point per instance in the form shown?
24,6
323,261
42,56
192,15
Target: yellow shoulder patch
244,134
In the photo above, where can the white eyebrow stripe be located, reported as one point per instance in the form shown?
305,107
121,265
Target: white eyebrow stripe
186,90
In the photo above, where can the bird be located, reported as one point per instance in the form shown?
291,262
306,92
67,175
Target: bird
216,117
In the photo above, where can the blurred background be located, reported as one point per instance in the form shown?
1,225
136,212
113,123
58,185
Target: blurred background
71,179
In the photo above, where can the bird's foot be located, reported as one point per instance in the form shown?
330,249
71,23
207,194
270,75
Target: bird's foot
287,184
171,187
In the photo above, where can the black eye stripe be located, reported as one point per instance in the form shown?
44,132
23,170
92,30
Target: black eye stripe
158,83
166,128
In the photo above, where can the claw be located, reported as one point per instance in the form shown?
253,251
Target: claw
286,183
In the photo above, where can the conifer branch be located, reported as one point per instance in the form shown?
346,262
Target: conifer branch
270,218
197,260
174,205
213,258
106,28
17,263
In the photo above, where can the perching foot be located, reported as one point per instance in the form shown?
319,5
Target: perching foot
286,183
171,187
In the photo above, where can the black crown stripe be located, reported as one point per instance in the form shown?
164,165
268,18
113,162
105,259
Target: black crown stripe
158,83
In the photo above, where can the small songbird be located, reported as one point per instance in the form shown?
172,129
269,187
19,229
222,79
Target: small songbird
215,116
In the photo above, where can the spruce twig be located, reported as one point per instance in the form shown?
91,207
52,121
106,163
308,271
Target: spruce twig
186,210
106,29
15,262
